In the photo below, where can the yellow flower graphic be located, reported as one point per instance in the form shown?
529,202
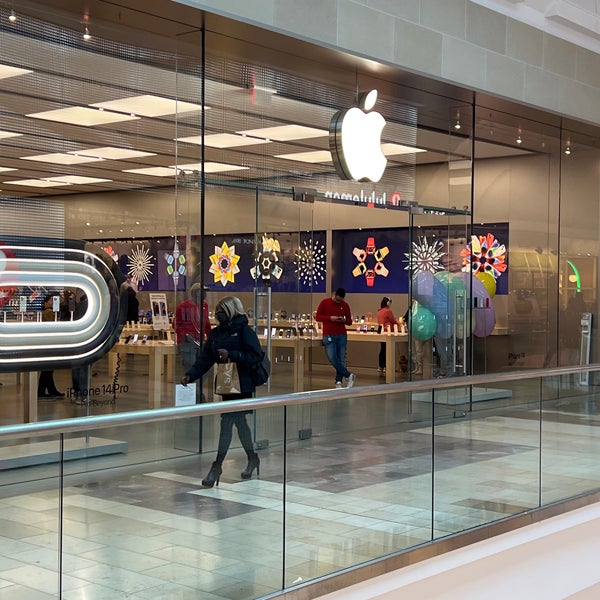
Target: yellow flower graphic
224,264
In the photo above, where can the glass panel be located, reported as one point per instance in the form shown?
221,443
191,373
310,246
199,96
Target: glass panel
33,534
578,264
570,438
486,464
155,529
516,179
359,488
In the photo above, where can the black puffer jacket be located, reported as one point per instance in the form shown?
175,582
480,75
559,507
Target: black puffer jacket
243,346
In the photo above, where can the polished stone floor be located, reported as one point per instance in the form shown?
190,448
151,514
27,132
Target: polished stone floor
376,476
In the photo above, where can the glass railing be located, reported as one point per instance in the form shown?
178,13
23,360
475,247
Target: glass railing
109,506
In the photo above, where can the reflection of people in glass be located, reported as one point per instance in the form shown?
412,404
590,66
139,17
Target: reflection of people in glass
46,385
231,340
133,306
570,329
80,375
386,319
189,329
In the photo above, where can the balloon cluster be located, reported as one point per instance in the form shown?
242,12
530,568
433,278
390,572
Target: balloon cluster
438,309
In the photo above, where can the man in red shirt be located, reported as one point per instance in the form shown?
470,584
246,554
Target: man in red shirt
189,328
335,313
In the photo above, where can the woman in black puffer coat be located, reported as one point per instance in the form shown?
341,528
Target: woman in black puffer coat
232,339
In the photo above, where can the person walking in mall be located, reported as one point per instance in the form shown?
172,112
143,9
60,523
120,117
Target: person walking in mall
385,319
335,313
231,340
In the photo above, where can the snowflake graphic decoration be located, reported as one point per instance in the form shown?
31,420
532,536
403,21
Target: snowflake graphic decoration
140,265
224,264
364,254
266,261
485,254
111,252
310,262
175,263
425,257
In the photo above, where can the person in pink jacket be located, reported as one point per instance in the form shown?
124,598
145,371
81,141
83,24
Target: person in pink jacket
385,317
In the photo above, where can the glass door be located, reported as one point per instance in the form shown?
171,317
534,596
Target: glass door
441,293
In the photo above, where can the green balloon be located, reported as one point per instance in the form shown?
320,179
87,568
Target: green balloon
423,322
455,285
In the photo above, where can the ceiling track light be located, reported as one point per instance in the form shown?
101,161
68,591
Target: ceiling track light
519,140
86,34
457,122
568,148
13,16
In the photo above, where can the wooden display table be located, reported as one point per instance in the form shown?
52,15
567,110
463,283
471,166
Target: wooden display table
156,353
301,347
390,340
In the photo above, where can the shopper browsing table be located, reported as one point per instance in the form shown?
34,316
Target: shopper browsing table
385,318
334,313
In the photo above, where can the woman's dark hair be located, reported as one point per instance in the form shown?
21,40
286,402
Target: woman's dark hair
385,301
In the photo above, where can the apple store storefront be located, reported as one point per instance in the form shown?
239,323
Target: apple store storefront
277,172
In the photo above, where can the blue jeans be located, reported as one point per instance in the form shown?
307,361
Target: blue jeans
335,348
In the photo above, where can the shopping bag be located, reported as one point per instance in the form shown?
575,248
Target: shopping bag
227,379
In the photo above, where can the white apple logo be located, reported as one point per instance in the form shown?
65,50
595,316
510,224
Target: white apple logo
355,141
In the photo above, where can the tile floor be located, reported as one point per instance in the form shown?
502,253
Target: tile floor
360,488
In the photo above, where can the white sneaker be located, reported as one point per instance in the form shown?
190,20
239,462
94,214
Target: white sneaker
338,384
350,380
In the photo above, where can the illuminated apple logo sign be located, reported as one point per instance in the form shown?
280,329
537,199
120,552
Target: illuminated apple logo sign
355,141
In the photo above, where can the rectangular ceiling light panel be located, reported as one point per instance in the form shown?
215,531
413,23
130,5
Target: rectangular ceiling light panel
148,106
42,183
210,167
110,153
316,156
80,115
62,158
285,133
223,140
6,71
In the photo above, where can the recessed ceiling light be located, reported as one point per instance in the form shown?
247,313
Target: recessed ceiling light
285,133
6,71
80,115
36,183
9,134
110,153
77,179
154,171
223,140
210,167
316,156
62,158
148,106
394,149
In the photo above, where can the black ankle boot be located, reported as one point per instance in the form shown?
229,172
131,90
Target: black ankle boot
213,476
253,463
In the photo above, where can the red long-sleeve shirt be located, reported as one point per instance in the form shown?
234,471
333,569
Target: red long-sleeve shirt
329,308
187,321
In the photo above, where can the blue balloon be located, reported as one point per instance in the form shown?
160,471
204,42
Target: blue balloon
433,294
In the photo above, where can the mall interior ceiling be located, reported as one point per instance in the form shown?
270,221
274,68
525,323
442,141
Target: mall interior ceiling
93,120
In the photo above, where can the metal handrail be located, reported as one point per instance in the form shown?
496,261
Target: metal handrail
84,424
